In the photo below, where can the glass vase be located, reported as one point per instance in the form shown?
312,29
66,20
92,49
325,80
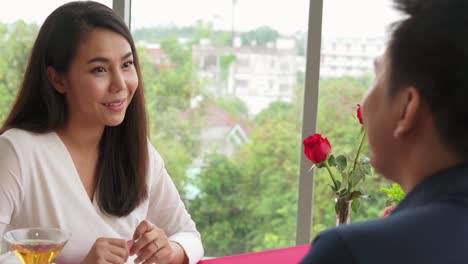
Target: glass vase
344,213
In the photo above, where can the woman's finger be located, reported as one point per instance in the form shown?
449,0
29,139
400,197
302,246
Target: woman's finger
161,244
144,240
119,251
160,257
142,228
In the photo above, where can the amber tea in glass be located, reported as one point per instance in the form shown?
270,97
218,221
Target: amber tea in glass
37,245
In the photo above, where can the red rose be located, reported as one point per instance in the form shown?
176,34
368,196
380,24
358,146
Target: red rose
388,210
359,113
316,148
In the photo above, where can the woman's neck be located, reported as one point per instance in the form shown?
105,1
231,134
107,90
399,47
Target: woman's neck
79,137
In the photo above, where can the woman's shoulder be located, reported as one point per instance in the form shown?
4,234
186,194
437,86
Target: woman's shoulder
20,138
152,152
156,163
155,159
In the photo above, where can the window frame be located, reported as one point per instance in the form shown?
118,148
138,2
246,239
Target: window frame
309,116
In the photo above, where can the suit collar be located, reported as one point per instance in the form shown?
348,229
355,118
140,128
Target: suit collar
446,184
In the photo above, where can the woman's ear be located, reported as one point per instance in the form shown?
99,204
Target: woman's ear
56,80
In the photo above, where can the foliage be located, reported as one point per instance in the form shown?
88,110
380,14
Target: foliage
261,36
395,194
262,191
270,165
169,92
16,41
155,34
194,33
221,216
233,105
225,61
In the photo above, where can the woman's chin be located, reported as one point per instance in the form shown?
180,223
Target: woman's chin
114,123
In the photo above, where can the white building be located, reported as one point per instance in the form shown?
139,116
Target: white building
349,56
258,75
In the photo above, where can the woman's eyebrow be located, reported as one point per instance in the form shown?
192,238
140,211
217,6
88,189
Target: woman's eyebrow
103,59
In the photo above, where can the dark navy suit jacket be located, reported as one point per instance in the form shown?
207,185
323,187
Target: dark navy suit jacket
429,226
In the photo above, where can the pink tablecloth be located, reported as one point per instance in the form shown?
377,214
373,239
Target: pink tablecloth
276,256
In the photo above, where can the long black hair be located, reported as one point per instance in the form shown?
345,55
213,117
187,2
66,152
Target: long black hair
123,150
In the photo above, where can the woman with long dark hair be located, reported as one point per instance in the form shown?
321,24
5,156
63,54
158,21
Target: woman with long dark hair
74,150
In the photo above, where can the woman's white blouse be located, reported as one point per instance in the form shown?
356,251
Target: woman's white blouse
40,187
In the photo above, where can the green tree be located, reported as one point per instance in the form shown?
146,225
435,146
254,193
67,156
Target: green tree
252,205
270,163
203,30
219,210
261,36
225,62
16,41
233,105
168,93
156,34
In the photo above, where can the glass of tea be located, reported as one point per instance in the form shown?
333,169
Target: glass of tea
37,245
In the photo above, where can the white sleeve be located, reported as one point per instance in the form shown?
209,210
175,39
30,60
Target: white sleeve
11,190
167,211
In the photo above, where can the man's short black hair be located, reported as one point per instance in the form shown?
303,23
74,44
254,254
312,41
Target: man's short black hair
429,50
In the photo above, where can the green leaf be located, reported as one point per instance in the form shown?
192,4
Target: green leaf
356,177
355,195
355,205
320,165
366,168
343,192
344,176
331,161
395,193
341,163
338,185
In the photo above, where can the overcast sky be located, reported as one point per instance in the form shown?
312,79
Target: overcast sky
342,18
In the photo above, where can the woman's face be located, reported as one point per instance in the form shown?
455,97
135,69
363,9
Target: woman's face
101,80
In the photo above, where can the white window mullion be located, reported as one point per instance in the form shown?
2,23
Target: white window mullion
309,122
123,8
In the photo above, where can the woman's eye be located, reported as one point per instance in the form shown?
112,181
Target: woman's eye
128,64
99,70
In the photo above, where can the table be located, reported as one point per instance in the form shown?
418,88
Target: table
276,256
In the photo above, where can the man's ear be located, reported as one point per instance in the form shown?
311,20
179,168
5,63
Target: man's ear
409,103
56,80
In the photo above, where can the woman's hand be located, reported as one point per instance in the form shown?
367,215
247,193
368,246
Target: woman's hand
151,245
107,251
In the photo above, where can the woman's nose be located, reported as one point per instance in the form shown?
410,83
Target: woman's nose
118,82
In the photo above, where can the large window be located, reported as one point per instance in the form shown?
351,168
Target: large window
354,33
224,84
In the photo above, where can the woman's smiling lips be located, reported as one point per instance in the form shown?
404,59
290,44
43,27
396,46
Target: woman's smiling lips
115,106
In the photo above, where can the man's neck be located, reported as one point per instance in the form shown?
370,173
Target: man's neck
423,164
